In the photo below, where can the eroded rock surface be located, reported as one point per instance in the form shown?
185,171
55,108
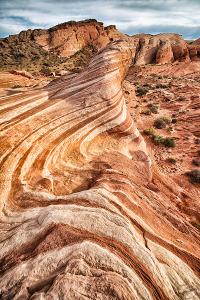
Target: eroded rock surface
81,217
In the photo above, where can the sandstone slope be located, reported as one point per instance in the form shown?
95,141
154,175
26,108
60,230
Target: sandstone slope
84,215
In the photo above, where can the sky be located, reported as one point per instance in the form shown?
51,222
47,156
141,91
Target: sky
130,16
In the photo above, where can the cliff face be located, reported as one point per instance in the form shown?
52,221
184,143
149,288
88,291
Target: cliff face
83,213
35,50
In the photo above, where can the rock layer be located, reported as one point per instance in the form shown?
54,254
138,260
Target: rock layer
81,217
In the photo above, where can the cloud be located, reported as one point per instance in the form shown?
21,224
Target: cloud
130,16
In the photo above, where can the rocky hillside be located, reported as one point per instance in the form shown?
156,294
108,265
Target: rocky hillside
49,50
71,45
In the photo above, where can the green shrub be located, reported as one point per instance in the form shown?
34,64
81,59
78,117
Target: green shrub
158,139
161,122
169,142
141,91
149,131
174,120
170,128
153,108
194,176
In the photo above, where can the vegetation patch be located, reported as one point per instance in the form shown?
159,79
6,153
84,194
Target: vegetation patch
168,142
194,176
153,108
142,91
161,122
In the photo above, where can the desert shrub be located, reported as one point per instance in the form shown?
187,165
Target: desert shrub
171,160
196,162
158,139
174,120
153,107
147,112
17,86
46,70
162,86
161,122
169,142
194,176
149,131
170,128
141,91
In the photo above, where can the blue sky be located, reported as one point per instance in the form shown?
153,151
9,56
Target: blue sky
130,16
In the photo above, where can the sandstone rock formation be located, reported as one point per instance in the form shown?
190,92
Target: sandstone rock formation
160,49
68,38
81,217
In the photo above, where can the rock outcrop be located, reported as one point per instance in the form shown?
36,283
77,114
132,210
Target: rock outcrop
80,215
160,49
68,38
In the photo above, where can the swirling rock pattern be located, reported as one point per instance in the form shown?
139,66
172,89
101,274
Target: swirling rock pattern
80,217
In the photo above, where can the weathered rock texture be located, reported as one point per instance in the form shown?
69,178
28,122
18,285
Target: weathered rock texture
80,215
